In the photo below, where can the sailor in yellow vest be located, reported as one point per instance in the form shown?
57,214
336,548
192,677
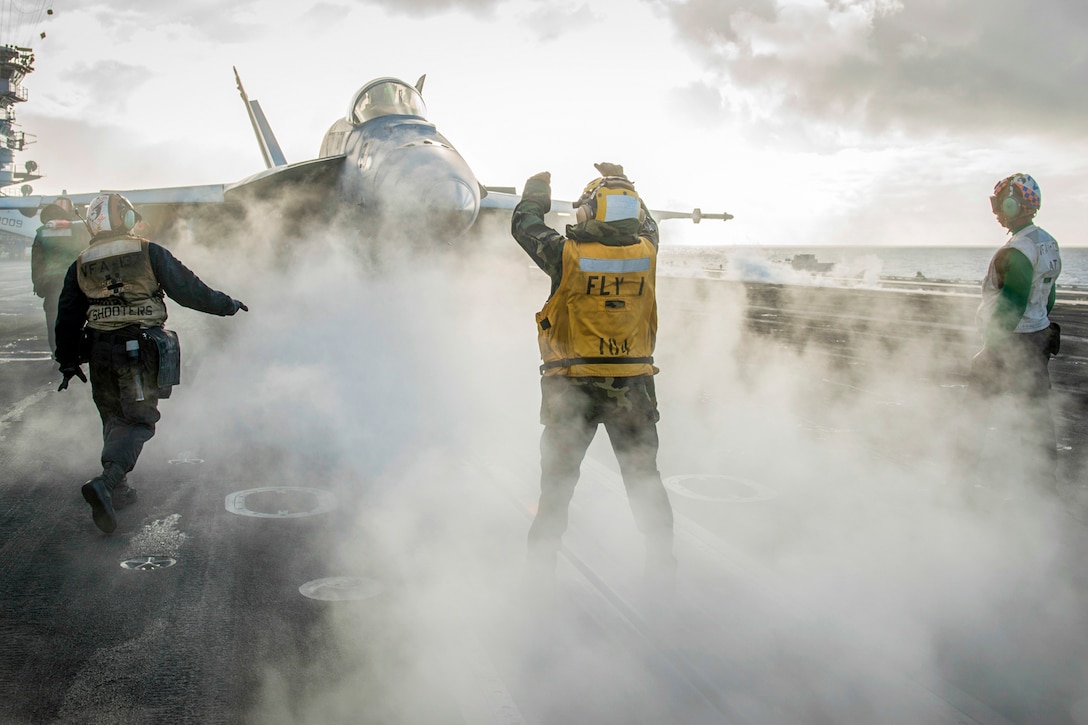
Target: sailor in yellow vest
596,334
58,241
111,313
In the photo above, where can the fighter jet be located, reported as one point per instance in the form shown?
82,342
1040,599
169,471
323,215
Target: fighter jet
382,161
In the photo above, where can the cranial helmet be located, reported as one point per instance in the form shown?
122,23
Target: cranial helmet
111,213
61,208
608,199
1015,195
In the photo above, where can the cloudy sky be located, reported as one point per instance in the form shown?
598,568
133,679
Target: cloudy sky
813,121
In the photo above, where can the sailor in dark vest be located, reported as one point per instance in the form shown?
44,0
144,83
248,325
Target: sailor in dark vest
596,334
111,315
58,241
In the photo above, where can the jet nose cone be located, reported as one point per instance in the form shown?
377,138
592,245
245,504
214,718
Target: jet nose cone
429,191
451,205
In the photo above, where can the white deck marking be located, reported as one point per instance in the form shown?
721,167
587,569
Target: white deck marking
721,488
341,588
15,413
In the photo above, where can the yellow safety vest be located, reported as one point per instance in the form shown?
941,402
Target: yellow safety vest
602,320
116,276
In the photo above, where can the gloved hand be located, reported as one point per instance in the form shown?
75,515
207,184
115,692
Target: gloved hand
239,305
69,372
538,188
608,169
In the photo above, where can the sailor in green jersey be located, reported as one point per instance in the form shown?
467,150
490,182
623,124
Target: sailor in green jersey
57,243
1019,338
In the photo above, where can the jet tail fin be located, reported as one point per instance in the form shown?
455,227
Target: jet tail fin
270,147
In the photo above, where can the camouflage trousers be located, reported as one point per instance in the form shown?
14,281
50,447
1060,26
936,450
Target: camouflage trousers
571,411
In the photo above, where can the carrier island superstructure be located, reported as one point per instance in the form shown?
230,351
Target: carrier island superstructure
16,229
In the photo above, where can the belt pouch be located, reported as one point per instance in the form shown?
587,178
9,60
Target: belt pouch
165,350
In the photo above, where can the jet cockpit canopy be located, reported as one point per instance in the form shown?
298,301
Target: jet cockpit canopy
386,97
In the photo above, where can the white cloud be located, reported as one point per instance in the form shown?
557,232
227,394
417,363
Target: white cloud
924,66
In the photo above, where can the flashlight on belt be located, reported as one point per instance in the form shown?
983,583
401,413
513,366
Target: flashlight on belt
132,349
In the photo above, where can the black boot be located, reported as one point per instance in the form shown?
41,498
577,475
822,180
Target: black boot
123,495
97,492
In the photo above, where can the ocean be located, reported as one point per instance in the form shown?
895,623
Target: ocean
851,265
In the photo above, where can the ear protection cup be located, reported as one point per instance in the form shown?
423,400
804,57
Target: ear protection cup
122,214
1010,207
594,202
1016,196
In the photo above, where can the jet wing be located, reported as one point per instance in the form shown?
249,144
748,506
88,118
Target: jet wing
506,200
321,173
498,200
206,194
316,173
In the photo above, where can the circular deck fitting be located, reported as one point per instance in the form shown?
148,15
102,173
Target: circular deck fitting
719,488
148,563
280,502
341,588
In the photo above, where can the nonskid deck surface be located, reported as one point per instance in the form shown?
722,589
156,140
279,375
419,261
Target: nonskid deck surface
838,578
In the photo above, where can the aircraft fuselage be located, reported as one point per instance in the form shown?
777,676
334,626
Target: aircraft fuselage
401,170
397,168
